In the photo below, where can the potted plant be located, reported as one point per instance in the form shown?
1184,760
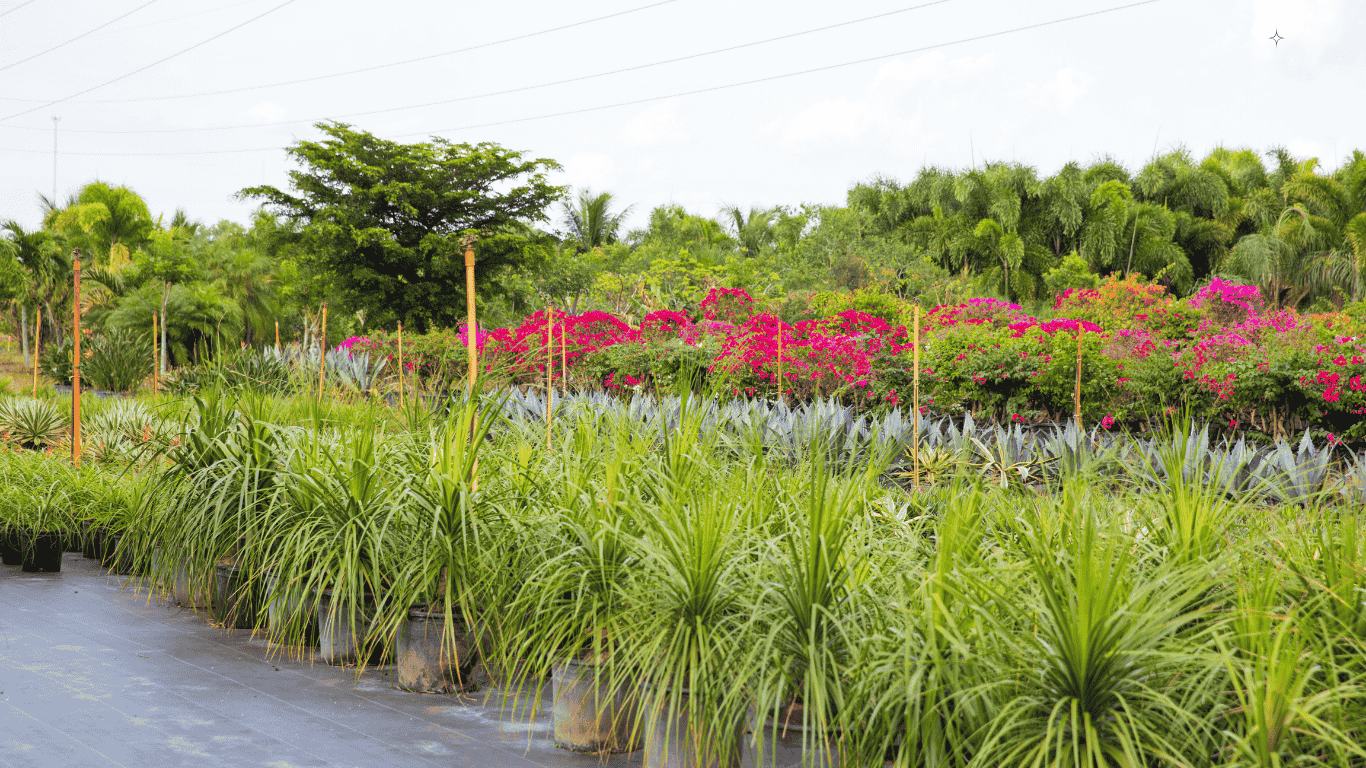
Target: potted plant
56,363
31,423
448,571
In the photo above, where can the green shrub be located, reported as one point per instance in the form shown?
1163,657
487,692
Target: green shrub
119,360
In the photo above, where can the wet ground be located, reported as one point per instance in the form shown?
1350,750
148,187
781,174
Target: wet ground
92,674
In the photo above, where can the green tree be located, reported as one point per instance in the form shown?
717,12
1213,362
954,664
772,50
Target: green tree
590,221
112,221
384,220
754,230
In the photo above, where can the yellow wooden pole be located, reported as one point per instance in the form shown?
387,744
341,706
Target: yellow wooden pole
277,336
915,396
37,337
780,360
400,365
470,322
155,378
322,356
1077,392
564,353
549,368
76,359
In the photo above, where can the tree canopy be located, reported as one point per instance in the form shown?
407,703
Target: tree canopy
384,220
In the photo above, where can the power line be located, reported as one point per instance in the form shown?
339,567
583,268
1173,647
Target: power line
78,37
520,89
377,66
678,94
17,7
153,64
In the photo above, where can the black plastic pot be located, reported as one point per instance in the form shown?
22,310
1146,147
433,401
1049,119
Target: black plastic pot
234,600
116,560
421,664
9,549
42,552
92,539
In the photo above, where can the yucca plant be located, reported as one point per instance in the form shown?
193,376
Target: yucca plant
32,423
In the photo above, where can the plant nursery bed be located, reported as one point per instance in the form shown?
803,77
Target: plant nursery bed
93,674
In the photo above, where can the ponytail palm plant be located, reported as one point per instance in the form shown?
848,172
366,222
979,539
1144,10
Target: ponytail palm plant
444,540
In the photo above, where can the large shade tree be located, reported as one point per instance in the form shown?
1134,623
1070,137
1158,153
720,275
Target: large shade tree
384,220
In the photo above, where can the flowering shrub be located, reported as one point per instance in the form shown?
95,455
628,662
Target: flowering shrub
1142,352
733,305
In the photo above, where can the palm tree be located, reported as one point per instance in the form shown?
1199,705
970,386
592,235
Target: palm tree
753,230
590,220
114,221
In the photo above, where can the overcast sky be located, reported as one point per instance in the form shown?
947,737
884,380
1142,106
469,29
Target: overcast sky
1124,82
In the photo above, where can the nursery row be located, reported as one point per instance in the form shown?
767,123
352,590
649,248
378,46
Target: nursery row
680,586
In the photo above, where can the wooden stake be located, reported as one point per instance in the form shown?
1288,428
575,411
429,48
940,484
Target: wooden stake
277,336
549,368
915,395
1077,393
400,365
36,339
155,358
322,354
471,325
564,353
780,360
76,359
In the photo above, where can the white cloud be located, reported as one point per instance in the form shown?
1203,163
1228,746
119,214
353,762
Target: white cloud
658,124
1062,91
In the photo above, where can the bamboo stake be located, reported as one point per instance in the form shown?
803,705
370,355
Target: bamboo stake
564,353
277,337
472,349
1076,395
322,354
549,367
470,324
76,359
400,365
780,360
155,358
915,395
36,339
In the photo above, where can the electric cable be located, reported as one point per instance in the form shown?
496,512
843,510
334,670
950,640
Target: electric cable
17,7
371,68
78,37
153,64
646,100
504,92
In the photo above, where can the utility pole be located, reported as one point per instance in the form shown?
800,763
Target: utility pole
55,120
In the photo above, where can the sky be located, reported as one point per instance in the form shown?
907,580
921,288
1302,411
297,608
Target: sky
773,103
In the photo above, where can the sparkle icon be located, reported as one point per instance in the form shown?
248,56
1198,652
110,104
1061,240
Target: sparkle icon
1276,37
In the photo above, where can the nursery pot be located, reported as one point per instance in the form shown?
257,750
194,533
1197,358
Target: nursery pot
340,636
234,603
421,664
42,552
120,562
787,732
282,613
92,538
669,740
9,549
589,716
199,597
